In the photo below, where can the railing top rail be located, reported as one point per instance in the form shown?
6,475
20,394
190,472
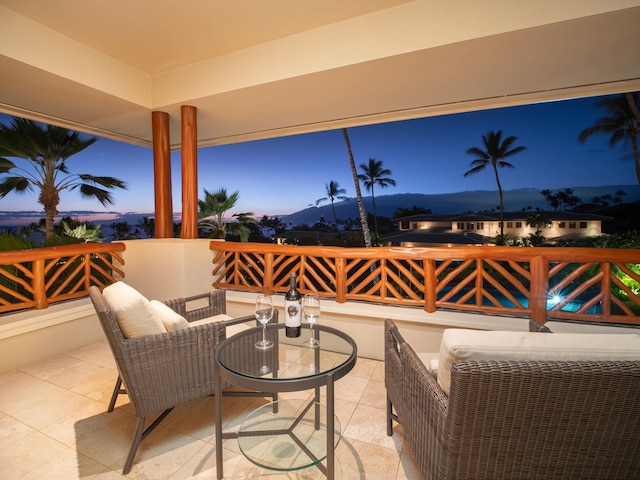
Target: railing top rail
28,255
568,254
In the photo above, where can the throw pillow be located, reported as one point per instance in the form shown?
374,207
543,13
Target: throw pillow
171,319
133,311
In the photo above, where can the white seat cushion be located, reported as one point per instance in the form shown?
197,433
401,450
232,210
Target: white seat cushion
134,313
463,344
229,331
171,319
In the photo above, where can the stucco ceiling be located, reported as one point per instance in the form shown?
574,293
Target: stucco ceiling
258,69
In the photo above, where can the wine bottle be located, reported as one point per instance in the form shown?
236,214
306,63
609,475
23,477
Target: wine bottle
293,309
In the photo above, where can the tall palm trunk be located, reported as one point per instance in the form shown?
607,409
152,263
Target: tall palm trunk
363,214
375,212
49,199
495,171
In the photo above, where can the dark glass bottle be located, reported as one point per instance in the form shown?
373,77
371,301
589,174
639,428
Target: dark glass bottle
293,309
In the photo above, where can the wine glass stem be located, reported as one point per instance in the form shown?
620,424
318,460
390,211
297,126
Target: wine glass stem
311,331
264,333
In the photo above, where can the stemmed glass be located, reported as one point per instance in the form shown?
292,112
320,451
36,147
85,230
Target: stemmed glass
264,313
311,309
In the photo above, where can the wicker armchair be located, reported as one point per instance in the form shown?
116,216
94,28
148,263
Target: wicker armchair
164,370
518,419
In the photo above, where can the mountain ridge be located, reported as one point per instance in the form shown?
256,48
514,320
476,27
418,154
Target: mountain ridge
386,205
451,203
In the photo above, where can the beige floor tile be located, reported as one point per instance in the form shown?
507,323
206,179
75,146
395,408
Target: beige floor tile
378,373
362,460
196,418
27,453
68,465
344,411
66,430
162,454
20,391
106,437
52,408
202,465
77,375
408,467
375,395
53,367
12,430
368,424
66,399
350,388
97,353
364,368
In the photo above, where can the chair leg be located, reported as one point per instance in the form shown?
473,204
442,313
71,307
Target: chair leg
114,396
389,417
139,436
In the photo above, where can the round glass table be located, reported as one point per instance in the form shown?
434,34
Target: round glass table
285,435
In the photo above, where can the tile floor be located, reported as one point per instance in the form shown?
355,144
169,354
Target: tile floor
54,425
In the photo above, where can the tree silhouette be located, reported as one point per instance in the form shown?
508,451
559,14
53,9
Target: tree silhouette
373,174
334,192
494,153
46,151
620,123
362,212
211,211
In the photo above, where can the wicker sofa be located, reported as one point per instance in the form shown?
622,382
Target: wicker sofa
515,420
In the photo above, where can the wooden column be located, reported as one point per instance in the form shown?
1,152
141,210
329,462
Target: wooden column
189,172
162,175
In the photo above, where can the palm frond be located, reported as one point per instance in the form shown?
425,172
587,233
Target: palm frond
14,184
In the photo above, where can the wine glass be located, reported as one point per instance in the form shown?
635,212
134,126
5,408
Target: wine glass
264,313
311,310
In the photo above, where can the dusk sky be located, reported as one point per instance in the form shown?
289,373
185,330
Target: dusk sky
281,176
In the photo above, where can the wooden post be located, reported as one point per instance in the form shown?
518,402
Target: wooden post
430,284
189,172
539,267
162,175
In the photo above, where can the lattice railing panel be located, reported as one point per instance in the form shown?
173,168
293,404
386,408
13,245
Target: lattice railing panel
497,280
40,276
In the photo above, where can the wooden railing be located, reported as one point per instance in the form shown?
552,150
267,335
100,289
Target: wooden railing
40,276
581,284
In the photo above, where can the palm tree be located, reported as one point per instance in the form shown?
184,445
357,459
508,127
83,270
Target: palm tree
148,226
212,210
46,150
363,214
547,195
373,174
334,192
620,123
494,153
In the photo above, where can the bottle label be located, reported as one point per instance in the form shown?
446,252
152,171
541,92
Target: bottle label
292,313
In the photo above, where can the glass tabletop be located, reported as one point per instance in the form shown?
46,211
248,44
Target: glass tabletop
289,359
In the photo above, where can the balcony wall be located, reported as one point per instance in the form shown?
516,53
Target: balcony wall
168,268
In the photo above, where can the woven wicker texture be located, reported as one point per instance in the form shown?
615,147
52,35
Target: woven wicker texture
524,420
164,370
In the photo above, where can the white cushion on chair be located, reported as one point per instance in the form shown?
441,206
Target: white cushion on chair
134,313
463,344
229,331
171,319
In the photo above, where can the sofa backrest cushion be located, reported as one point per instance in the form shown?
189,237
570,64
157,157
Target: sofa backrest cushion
463,344
134,313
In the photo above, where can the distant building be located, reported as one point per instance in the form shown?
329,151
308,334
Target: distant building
478,228
307,237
